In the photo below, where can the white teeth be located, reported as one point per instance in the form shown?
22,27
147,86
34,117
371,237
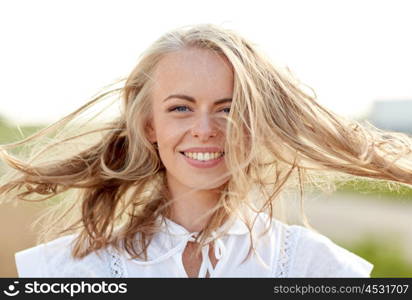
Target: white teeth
203,156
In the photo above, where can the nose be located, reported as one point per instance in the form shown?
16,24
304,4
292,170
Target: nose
204,127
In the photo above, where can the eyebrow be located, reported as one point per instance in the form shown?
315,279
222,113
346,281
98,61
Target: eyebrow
191,99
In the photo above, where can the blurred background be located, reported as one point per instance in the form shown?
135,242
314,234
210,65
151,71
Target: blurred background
355,55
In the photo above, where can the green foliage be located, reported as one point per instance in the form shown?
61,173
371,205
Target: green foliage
9,134
381,189
386,256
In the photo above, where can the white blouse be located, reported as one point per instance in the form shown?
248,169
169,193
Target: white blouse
284,251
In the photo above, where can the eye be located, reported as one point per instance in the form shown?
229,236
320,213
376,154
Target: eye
176,108
181,108
228,109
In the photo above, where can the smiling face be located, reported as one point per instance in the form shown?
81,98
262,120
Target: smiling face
191,97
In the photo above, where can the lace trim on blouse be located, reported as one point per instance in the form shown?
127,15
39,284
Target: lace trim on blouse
117,269
286,253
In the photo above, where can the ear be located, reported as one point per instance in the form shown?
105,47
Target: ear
150,131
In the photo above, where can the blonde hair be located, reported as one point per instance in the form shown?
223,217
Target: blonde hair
280,140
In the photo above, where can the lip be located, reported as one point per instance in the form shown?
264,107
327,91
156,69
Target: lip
203,164
203,149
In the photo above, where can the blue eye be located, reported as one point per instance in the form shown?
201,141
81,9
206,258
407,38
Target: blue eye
175,108
178,108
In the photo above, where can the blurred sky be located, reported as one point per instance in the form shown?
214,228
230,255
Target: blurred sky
55,55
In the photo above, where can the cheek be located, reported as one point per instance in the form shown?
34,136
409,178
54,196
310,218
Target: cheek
169,133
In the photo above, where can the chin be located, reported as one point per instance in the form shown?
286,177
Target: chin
202,180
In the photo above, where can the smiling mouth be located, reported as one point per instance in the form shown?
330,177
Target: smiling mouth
181,152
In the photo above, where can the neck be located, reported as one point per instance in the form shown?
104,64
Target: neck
189,207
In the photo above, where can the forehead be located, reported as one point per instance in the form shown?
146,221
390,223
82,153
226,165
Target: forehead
196,72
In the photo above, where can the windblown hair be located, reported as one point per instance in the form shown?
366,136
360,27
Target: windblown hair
279,140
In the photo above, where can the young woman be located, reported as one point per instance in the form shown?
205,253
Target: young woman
185,182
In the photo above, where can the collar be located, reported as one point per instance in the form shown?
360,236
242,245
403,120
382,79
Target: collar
181,236
233,226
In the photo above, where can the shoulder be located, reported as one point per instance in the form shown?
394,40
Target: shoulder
54,259
312,254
